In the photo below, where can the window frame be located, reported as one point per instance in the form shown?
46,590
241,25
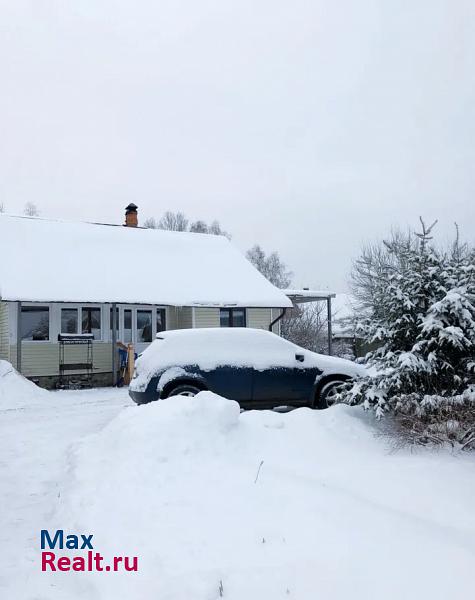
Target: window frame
78,321
79,308
88,309
134,308
50,322
150,312
163,311
231,311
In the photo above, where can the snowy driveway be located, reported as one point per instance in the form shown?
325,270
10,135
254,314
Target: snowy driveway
35,445
258,505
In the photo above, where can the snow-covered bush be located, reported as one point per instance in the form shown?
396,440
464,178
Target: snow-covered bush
421,315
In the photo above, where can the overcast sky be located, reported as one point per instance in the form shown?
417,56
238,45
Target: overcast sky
307,126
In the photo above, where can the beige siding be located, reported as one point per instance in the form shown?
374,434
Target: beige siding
172,317
206,317
275,312
259,318
179,317
185,317
42,358
4,332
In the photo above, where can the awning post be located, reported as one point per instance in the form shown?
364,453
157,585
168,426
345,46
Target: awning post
18,337
329,325
114,343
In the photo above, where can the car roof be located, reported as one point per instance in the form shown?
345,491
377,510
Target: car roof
219,333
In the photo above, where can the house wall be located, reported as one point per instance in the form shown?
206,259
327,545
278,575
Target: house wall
4,334
206,317
185,320
179,317
275,312
258,318
173,316
41,358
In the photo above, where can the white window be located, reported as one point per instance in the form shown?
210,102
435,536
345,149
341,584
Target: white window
127,326
84,319
69,320
35,323
144,326
161,320
91,321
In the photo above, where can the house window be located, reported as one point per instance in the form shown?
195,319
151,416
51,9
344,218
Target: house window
69,320
161,323
144,326
91,321
35,323
127,326
232,317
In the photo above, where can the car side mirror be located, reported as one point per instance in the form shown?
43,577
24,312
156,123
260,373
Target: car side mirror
300,357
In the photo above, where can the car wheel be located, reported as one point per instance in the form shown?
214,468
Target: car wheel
185,389
327,394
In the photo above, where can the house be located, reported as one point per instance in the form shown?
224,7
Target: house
70,279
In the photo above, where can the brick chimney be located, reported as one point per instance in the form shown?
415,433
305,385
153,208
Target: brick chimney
131,219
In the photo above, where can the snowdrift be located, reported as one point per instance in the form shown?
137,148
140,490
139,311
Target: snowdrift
16,391
262,506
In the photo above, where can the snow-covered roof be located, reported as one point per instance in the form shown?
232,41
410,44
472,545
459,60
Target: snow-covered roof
305,295
56,261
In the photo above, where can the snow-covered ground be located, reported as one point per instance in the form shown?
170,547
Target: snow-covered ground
257,505
38,431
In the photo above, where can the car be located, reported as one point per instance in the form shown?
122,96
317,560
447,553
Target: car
255,367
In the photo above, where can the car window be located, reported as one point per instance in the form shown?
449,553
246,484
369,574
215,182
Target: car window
265,349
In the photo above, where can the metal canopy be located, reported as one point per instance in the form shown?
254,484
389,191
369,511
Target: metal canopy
306,295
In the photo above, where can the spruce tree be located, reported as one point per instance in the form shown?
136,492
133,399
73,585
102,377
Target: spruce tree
423,322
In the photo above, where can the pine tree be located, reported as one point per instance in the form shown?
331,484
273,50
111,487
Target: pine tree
423,319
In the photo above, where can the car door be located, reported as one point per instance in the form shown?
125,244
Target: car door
273,386
288,381
231,381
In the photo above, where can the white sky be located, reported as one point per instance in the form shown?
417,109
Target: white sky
308,126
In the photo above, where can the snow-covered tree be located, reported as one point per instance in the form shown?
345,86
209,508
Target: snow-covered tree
423,321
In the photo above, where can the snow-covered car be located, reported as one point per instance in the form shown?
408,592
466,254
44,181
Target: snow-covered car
256,368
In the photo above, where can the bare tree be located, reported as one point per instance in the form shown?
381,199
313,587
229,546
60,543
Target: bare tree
31,210
306,326
376,262
2,207
270,266
199,227
173,221
150,223
215,229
